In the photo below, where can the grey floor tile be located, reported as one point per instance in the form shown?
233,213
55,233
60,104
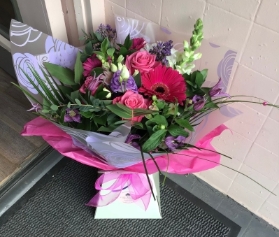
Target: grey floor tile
260,228
237,213
207,193
185,181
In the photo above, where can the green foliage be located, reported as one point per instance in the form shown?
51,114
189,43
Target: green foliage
78,69
154,140
64,75
176,130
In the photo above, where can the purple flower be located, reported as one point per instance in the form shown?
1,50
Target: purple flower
180,140
35,107
216,91
117,86
170,143
72,115
130,140
161,50
106,31
199,102
131,85
174,143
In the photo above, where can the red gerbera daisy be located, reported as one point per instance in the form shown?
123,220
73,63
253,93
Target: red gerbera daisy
164,82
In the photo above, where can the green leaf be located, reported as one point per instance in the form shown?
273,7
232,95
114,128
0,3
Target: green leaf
189,93
53,84
112,118
83,57
104,46
65,90
125,112
176,130
128,42
110,51
27,93
65,75
199,79
88,49
123,51
154,140
86,114
98,36
74,95
138,125
211,105
102,120
78,68
204,73
46,104
185,124
107,129
142,112
97,71
45,111
189,83
78,101
54,107
158,119
137,79
118,109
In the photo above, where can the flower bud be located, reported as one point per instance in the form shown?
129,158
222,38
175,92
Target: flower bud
125,74
154,97
185,44
197,56
136,73
120,58
109,93
113,67
162,127
119,66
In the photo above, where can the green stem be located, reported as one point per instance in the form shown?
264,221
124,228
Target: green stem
230,169
146,172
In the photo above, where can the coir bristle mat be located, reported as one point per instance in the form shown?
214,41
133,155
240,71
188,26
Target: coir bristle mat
58,209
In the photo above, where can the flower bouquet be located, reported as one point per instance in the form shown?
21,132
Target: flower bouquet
126,102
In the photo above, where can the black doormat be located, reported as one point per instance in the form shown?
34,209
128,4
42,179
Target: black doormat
58,209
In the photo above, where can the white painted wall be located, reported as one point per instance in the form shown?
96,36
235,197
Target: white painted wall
252,28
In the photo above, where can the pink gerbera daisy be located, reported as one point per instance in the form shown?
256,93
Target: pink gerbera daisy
89,64
164,82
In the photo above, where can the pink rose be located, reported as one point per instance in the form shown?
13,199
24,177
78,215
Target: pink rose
137,43
140,60
132,100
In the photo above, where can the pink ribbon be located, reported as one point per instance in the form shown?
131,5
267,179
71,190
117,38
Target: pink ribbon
136,183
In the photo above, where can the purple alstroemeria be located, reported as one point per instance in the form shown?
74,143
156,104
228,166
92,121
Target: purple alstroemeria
130,140
170,143
199,102
117,86
35,107
217,90
72,115
174,143
180,140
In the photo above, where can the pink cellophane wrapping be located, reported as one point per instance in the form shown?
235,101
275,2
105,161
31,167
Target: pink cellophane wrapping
186,161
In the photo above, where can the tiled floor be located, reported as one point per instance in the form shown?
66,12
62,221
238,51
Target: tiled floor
14,149
251,225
